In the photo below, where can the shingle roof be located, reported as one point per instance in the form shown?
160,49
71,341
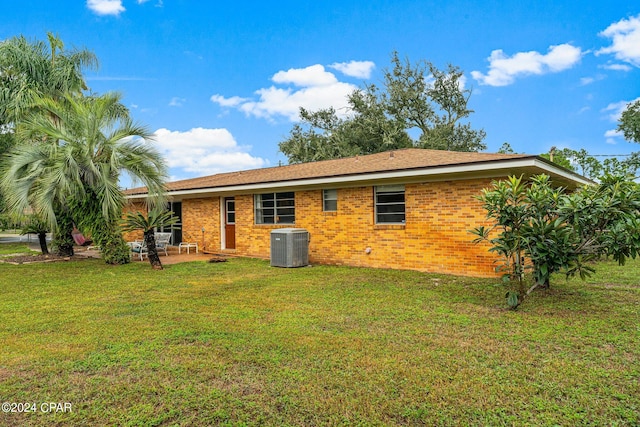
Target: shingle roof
389,161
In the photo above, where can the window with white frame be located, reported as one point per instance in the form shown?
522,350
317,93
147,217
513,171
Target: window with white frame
329,200
390,206
275,208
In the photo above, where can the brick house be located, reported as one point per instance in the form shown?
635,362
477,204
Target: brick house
408,209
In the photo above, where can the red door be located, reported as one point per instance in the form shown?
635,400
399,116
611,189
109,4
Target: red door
230,223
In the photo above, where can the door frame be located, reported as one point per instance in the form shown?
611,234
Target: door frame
223,221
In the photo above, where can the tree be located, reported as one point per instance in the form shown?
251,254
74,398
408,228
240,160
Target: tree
148,224
416,98
35,225
30,70
559,157
630,122
506,148
540,228
71,173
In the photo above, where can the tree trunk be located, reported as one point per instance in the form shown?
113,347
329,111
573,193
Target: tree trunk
152,251
42,238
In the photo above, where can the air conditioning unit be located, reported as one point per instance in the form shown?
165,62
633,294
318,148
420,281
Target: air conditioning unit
289,247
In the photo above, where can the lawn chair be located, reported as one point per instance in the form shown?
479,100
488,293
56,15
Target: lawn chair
79,239
163,240
138,248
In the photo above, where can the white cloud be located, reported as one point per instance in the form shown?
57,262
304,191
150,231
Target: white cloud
462,82
201,151
315,88
504,69
177,102
106,7
359,69
625,38
584,81
285,102
314,75
614,111
616,67
611,136
234,101
587,81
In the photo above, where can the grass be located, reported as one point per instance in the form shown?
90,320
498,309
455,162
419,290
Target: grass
15,248
241,343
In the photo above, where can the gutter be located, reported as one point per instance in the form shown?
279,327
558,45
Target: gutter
438,173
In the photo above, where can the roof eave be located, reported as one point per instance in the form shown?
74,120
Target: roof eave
439,173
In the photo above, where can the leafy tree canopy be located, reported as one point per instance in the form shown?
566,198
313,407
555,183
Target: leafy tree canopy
559,157
415,99
540,228
630,122
68,168
33,69
582,162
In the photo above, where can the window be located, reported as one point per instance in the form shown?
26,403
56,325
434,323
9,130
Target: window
390,204
174,229
329,200
275,208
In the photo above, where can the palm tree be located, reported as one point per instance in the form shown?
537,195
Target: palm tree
72,172
31,70
35,225
148,224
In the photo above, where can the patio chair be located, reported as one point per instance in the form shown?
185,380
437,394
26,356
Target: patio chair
163,240
138,249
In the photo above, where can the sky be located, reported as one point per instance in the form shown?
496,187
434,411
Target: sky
220,83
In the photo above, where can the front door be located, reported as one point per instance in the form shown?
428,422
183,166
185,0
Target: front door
230,223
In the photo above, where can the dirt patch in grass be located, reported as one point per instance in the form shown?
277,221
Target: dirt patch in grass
27,259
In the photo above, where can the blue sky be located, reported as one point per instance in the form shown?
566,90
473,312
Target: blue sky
221,82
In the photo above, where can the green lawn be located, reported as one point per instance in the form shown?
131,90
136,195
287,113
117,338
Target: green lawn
241,343
15,248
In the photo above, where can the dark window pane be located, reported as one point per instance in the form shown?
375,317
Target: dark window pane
268,219
391,198
286,219
285,203
286,211
390,204
275,208
390,208
330,205
288,195
391,218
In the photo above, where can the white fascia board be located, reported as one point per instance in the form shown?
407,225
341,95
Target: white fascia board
571,176
428,174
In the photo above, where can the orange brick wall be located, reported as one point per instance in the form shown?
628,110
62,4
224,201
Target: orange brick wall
198,214
435,237
130,236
